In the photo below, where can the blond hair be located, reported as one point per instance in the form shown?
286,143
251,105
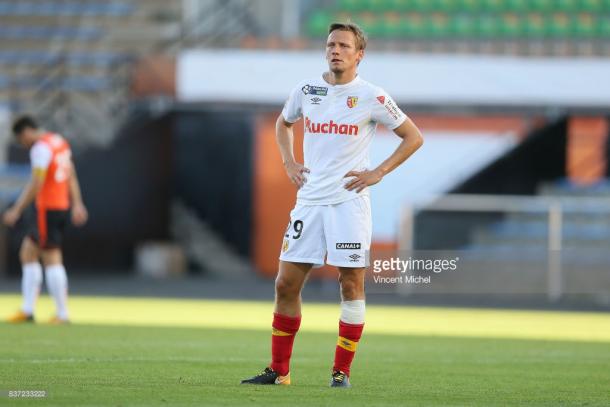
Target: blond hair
354,29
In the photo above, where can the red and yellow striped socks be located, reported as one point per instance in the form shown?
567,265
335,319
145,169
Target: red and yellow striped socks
349,335
282,339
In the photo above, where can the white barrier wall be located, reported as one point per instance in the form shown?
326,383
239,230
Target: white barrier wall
447,80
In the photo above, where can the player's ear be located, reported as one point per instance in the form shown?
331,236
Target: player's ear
360,55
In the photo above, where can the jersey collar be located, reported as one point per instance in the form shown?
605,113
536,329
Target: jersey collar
344,85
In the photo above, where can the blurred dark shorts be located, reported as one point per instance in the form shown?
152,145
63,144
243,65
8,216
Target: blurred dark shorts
46,227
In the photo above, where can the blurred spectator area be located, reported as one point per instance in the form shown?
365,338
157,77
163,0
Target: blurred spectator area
70,62
528,27
52,50
85,38
514,27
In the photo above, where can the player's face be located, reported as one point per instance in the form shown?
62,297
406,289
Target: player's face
26,137
341,52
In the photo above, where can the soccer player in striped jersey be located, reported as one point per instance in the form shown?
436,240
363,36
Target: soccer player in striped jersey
332,216
55,190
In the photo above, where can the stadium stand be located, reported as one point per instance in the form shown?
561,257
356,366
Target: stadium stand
584,236
584,225
565,26
61,56
66,8
28,32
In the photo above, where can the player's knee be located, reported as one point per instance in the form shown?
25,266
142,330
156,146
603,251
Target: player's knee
26,256
51,257
351,287
28,253
284,288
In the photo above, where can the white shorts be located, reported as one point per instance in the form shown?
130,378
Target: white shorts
341,231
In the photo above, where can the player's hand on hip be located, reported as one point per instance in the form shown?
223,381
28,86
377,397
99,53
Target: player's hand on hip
362,179
296,173
11,216
79,215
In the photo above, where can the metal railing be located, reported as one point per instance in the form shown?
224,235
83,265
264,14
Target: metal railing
214,23
553,208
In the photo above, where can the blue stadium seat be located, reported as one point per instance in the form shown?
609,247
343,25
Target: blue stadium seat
43,32
100,59
568,186
539,230
86,83
56,8
80,83
505,253
571,257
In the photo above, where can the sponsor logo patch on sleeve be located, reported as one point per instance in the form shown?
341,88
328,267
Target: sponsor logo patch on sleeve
390,106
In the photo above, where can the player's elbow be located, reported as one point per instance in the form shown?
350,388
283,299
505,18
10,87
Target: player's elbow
282,123
418,139
413,139
37,184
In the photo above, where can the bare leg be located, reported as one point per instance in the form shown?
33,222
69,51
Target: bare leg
288,285
29,252
52,257
352,283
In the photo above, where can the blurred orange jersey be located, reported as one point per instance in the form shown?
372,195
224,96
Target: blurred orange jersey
52,152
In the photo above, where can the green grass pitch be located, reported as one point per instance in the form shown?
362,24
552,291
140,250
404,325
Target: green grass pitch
154,352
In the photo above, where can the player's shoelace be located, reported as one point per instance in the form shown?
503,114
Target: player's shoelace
339,377
266,372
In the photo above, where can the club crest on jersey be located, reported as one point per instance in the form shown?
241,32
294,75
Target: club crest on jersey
352,101
285,246
315,90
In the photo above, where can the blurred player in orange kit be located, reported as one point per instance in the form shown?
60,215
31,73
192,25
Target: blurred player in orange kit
54,188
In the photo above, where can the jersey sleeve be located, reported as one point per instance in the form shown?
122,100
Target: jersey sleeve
293,108
40,156
385,110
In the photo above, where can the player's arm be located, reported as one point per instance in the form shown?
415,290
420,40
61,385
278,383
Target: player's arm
284,136
411,141
79,211
27,196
